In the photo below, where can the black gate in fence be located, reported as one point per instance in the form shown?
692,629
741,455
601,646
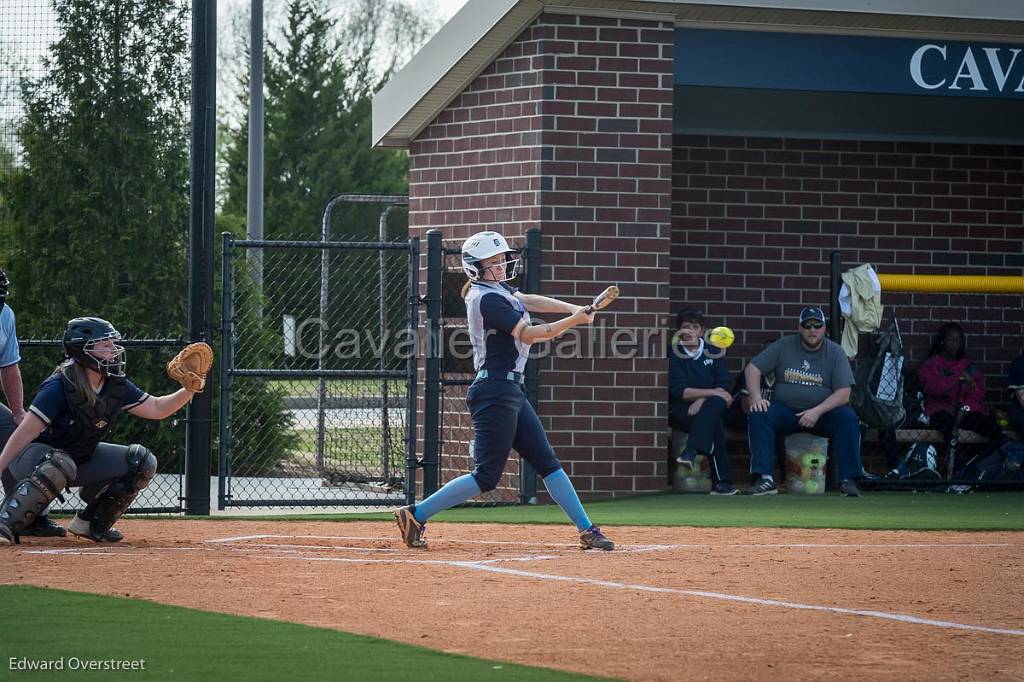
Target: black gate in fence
318,372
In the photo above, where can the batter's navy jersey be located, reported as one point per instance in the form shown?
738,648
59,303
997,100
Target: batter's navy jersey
493,312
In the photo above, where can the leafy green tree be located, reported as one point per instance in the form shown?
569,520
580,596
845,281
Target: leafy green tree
320,76
99,208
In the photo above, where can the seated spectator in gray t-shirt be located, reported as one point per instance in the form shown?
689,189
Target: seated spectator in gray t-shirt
811,393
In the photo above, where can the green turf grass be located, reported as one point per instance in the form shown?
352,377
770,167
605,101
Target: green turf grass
184,644
874,510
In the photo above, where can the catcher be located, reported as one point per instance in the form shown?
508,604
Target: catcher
60,444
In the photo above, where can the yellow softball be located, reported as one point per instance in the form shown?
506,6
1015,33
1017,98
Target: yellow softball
721,337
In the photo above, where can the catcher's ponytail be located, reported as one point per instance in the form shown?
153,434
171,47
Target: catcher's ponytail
75,373
465,288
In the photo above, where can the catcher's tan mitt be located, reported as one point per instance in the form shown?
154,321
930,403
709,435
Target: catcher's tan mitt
190,367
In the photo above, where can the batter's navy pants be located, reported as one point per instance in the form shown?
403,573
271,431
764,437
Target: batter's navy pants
504,419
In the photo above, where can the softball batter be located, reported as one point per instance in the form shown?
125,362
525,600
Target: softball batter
503,419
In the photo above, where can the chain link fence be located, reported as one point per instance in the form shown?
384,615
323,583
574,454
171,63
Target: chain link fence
27,29
318,373
165,438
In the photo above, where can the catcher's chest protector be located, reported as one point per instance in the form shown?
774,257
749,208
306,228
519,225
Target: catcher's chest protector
90,424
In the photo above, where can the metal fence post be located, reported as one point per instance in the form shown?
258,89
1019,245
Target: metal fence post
199,415
432,365
227,332
412,329
382,321
531,285
835,333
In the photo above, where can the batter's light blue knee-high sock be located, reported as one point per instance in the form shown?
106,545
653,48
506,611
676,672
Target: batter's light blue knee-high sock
562,492
455,491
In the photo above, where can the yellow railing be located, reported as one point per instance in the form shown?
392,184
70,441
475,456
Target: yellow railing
954,284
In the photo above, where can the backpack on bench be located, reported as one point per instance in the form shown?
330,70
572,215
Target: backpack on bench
877,395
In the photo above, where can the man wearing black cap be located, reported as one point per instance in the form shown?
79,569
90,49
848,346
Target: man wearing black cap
812,393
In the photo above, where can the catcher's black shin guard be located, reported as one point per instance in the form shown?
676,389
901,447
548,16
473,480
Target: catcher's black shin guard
103,512
34,493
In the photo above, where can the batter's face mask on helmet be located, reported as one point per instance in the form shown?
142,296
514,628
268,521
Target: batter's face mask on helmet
90,342
484,246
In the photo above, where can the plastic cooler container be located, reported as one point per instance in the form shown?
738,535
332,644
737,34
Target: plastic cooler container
806,456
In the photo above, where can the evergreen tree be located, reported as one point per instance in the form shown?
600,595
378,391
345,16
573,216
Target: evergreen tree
320,77
100,207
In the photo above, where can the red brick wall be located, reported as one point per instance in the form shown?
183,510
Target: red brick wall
477,167
754,221
569,130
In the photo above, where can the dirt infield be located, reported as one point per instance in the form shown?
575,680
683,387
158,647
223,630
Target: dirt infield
670,603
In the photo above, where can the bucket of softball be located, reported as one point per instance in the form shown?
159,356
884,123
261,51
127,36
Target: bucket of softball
806,455
695,480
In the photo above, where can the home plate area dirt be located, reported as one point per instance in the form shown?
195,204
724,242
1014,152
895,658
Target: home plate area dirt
667,604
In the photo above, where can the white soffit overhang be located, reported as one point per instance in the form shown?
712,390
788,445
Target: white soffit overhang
482,29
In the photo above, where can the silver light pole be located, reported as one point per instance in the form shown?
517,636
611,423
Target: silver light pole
254,203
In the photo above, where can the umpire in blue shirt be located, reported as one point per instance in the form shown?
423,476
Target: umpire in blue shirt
698,393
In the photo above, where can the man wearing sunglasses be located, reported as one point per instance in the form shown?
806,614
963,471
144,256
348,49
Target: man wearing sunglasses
812,393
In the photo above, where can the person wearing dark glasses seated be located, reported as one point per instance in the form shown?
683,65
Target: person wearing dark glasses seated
811,393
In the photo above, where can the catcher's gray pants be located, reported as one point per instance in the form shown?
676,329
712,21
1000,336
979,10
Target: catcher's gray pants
108,463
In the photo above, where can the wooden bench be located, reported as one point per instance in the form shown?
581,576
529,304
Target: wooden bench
739,457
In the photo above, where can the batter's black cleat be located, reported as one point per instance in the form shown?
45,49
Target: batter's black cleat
84,529
593,538
411,529
44,527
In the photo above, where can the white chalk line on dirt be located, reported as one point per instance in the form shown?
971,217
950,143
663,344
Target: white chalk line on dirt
875,545
627,549
338,548
489,565
123,550
899,617
431,562
636,548
392,538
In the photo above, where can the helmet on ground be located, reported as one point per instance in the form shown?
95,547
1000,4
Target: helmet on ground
484,245
83,335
